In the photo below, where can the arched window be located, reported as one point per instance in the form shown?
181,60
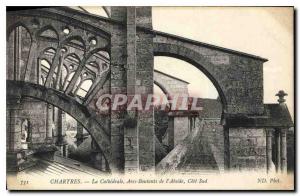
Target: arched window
64,76
84,88
49,33
18,48
45,67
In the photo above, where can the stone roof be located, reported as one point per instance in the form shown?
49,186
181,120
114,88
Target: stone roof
275,116
173,77
194,154
60,166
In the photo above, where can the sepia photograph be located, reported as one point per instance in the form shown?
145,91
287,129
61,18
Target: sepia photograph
150,98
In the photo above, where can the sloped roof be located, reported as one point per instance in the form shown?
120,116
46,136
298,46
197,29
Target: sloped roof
60,166
275,116
173,77
194,154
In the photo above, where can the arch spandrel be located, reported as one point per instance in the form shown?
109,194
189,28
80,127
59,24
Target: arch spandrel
47,30
65,103
238,77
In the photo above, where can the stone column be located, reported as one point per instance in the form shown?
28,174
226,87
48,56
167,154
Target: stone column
15,131
277,144
144,87
49,123
61,142
191,123
13,134
79,135
63,128
281,139
171,132
283,151
226,149
118,86
130,130
97,157
18,53
132,73
269,149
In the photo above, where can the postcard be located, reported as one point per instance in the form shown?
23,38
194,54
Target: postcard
150,98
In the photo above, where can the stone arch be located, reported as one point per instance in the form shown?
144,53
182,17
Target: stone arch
67,104
194,58
50,50
18,59
163,89
76,40
49,31
74,56
11,28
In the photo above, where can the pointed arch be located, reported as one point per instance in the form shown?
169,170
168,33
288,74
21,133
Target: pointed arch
67,104
93,65
163,89
44,67
77,40
73,57
19,43
48,32
49,51
192,57
101,52
84,88
46,63
14,26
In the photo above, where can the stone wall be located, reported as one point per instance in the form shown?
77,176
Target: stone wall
131,141
181,129
144,86
172,85
178,129
132,73
290,140
118,86
35,112
238,77
247,149
213,133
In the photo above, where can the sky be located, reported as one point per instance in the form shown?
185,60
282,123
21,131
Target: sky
263,31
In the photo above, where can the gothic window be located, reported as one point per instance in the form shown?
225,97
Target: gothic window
18,47
84,88
44,70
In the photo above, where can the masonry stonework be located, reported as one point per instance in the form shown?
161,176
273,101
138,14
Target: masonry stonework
247,149
52,52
